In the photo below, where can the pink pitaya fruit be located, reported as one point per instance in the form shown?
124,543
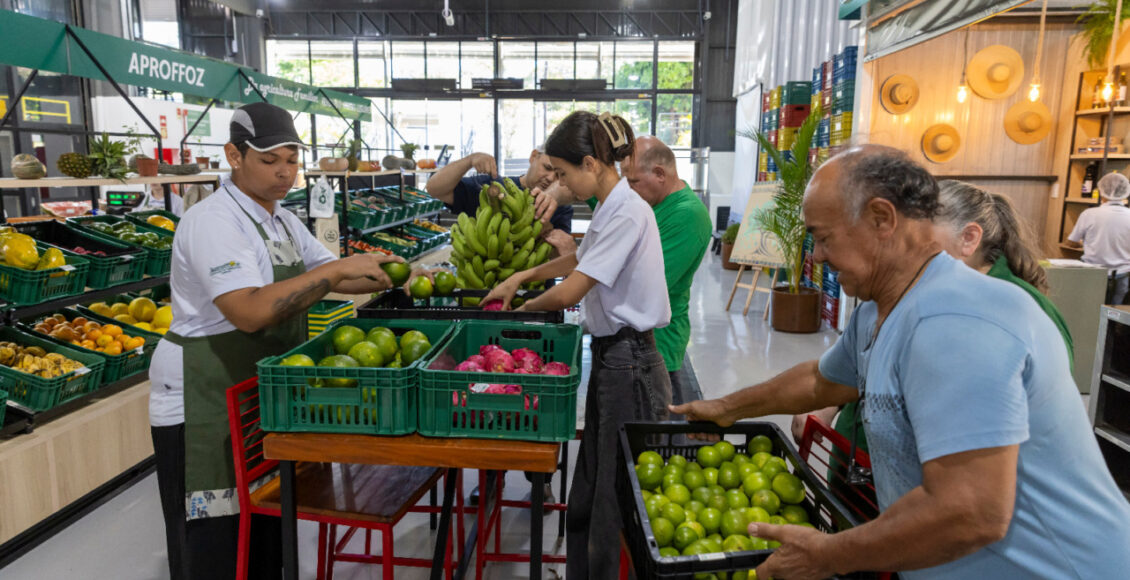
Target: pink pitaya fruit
488,348
528,360
526,371
500,361
556,368
493,306
470,366
512,389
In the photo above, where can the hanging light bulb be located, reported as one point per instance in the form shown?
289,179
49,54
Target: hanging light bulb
962,92
1108,91
1034,92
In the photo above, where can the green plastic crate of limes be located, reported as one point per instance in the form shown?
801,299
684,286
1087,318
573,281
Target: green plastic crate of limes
364,400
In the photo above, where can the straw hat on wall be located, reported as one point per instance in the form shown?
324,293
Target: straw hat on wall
995,72
1027,122
898,94
940,143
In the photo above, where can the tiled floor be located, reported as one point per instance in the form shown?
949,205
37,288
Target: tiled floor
124,539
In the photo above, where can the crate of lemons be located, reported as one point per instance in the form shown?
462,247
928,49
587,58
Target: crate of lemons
141,313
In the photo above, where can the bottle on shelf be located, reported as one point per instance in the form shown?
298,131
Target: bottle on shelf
1121,98
1096,95
1090,176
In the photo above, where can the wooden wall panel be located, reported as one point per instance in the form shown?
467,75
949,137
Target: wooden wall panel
26,496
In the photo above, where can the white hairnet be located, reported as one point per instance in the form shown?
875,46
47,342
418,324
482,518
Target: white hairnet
1114,186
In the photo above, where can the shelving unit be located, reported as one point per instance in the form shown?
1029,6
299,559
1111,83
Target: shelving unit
13,183
1089,124
1110,393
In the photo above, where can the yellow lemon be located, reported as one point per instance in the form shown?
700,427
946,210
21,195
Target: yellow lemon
160,331
163,318
101,308
144,326
126,319
118,309
142,309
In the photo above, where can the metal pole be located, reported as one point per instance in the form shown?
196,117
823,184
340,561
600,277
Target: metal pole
19,95
198,119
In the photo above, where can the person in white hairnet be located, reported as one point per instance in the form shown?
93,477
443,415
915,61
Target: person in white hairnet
1104,233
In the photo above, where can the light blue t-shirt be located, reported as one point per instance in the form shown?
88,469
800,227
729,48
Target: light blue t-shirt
965,362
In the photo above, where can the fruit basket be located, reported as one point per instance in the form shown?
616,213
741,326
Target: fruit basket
38,393
118,263
140,217
821,510
117,366
528,407
25,287
395,303
158,260
363,218
359,400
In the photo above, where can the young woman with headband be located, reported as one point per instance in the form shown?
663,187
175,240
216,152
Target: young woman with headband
617,276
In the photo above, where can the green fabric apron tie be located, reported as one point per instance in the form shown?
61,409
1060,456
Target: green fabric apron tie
214,363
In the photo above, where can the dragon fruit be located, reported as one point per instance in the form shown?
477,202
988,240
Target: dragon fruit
527,359
556,368
499,361
470,366
488,348
493,306
478,359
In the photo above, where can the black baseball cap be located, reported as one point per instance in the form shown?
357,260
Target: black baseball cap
263,127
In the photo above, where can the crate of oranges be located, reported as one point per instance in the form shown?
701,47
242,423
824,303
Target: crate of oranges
135,314
126,353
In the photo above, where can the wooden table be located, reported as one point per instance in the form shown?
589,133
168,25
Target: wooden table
411,450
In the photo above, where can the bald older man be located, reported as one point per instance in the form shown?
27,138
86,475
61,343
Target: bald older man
984,462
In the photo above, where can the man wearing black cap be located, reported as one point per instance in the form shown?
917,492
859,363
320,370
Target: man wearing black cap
244,272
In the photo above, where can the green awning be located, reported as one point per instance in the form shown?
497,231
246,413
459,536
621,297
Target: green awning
45,45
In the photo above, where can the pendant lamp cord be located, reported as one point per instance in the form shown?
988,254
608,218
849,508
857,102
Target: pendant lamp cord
1113,41
1040,45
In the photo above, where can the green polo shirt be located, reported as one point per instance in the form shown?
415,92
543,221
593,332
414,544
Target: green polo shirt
1001,271
684,231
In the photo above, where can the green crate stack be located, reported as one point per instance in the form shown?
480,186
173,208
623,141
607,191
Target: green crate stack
157,262
326,312
796,93
40,394
25,287
545,410
382,401
116,367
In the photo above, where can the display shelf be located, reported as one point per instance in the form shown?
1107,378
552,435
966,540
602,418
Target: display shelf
1085,200
1070,248
1117,381
1109,405
1122,440
1102,111
20,419
406,220
320,173
14,183
1100,157
12,313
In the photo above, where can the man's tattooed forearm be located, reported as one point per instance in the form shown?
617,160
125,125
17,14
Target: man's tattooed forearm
300,300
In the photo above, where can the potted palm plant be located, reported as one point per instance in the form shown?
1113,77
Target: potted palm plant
794,308
728,239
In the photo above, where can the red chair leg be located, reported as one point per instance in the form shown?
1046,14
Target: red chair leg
459,512
387,555
322,551
480,514
331,551
244,548
624,570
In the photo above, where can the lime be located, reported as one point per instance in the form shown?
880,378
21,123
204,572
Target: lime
673,513
374,331
718,502
754,482
649,457
344,337
760,443
678,494
725,450
684,536
736,499
445,283
734,523
339,361
789,488
697,548
756,514
663,530
414,351
716,489
386,343
654,504
745,469
669,552
694,507
728,476
760,458
398,272
772,469
697,527
297,360
649,475
672,479
778,521
690,515
711,519
740,460
700,494
694,480
412,336
711,474
737,543
670,469
767,500
794,514
679,460
693,466
708,456
715,542
367,354
421,287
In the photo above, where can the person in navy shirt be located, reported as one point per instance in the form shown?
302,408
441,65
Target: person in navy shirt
461,194
984,461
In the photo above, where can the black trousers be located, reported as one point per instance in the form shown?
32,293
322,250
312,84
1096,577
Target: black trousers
168,449
629,381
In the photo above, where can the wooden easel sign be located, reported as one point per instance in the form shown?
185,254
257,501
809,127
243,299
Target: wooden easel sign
756,249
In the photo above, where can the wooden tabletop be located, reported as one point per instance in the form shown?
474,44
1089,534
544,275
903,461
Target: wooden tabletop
319,173
497,454
13,183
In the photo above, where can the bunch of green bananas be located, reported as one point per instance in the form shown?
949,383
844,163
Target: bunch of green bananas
502,238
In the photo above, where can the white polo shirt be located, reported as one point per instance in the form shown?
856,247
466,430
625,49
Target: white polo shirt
217,250
622,252
1105,233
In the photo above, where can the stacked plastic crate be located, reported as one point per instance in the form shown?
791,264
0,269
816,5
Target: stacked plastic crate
769,127
842,98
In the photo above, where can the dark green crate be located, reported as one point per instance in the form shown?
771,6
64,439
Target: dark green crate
546,410
364,218
382,403
24,287
117,367
122,264
40,394
157,262
139,217
3,406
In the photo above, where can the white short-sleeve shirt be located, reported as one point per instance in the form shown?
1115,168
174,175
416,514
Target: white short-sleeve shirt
622,252
217,250
1105,233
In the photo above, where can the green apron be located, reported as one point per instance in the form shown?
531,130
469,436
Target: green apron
214,363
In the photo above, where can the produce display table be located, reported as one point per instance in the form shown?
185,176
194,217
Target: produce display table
411,450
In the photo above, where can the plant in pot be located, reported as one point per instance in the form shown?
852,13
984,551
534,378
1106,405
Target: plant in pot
353,155
1097,27
108,157
409,150
794,308
728,239
215,162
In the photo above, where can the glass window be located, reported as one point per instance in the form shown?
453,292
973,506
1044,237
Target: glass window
637,112
333,133
411,119
443,60
289,59
478,63
408,60
372,64
555,60
477,131
634,65
376,132
517,61
676,65
516,131
674,120
594,61
332,63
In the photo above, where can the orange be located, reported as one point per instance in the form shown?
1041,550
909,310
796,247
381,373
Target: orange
89,344
104,340
114,348
93,334
135,342
122,338
112,329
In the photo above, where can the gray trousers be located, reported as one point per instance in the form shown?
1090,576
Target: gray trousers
628,382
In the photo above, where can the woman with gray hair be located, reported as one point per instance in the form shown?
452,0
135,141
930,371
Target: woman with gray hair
1104,233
